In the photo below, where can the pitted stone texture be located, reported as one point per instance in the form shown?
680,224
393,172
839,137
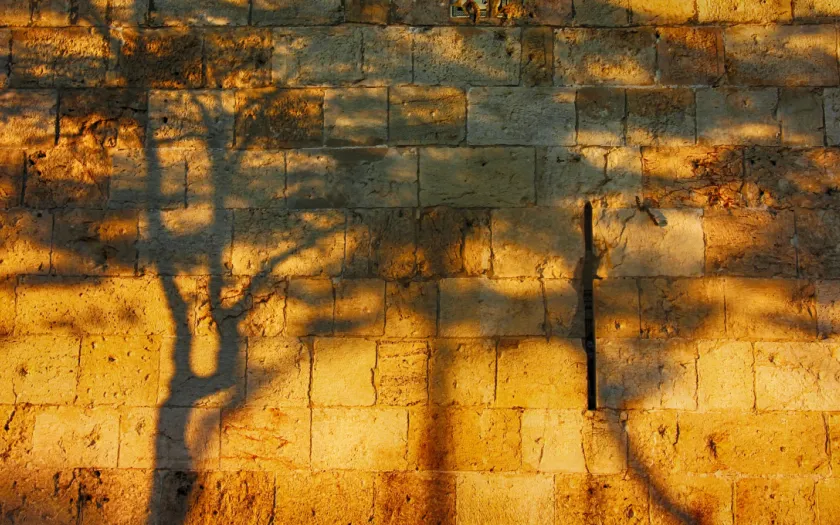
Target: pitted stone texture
408,497
505,499
775,501
380,243
147,179
828,309
708,499
71,57
604,56
733,116
15,13
725,375
26,239
753,243
427,115
537,56
480,177
191,119
360,307
238,58
204,13
410,309
400,375
563,305
631,243
660,117
170,438
536,242
689,55
11,178
356,116
467,55
695,177
462,372
453,242
297,12
609,177
482,307
797,376
160,58
828,495
119,370
111,118
528,372
94,242
236,179
781,55
40,370
247,306
204,497
552,441
115,497
508,116
342,438
40,496
740,11
75,437
687,308
601,116
186,241
28,118
310,307
278,372
306,243
617,307
833,436
770,309
583,499
816,10
67,175
801,116
614,13
279,118
656,12
324,497
265,439
816,239
366,178
787,177
367,11
831,100
343,372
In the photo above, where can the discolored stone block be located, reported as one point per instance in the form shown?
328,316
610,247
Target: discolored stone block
796,376
816,10
343,372
615,13
119,370
733,116
660,117
481,307
400,374
169,438
278,372
828,315
604,56
690,55
688,308
67,175
15,13
462,372
528,372
616,498
40,496
725,375
427,115
11,178
707,498
507,116
91,242
563,306
770,309
317,56
28,118
453,242
191,14
265,439
447,55
752,243
112,496
601,116
297,12
408,497
157,58
67,57
801,116
75,437
569,177
238,58
419,12
360,307
816,239
279,118
241,305
786,177
342,438
356,116
380,243
410,309
536,242
738,11
537,56
328,496
236,179
552,441
26,237
367,11
40,370
147,179
505,499
207,496
791,500
111,118
191,119
617,308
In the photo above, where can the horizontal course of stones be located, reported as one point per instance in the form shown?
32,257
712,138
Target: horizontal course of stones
378,209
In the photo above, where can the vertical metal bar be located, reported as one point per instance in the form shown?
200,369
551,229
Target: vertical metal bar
589,308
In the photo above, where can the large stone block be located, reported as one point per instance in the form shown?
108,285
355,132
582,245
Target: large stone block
754,243
569,177
360,307
297,12
453,242
661,12
480,177
743,11
111,118
191,119
536,373
797,376
733,116
67,175
410,309
40,496
67,57
770,309
614,13
401,373
725,375
27,118
687,308
689,55
367,11
706,499
310,307
552,441
536,242
304,497
583,499
192,241
760,501
343,372
601,116
170,438
26,245
115,496
462,372
537,56
93,242
482,307
381,243
278,372
75,437
119,370
427,115
236,179
39,370
279,118
200,13
660,117
342,438
415,498
816,10
816,241
604,56
505,499
786,177
694,177
147,179
521,116
241,305
265,439
448,55
801,114
238,58
201,497
617,308
159,58
356,116
563,307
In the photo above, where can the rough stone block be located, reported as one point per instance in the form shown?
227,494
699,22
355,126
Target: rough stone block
816,10
297,12
11,178
604,442
236,179
201,497
782,177
189,240
536,242
310,307
51,13
119,370
388,58
115,496
448,55
480,177
75,437
67,174
482,307
763,501
360,307
688,308
367,11
537,56
200,13
828,309
707,499
617,308
147,179
39,370
7,305
67,57
238,58
324,497
508,116
307,243
781,55
563,307
796,376
694,177
279,118
343,372
400,375
356,116
16,435
27,118
801,115
601,116
690,55
111,118
613,13
552,441
833,436
505,499
410,309
816,242
415,497
95,242
318,56
167,438
725,375
568,177
367,178
633,242
770,309
660,117
241,305
265,439
191,119
427,115
604,56
741,11
278,372
15,13
381,243
342,438
828,495
40,496
661,12
453,242
157,58
581,499
737,116
652,436
462,372
529,371
26,239
753,243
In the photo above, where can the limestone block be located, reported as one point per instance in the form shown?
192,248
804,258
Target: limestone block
238,58
236,179
15,13
653,436
453,242
380,242
828,492
408,497
582,499
25,246
342,438
343,372
200,13
297,12
797,376
801,115
568,177
537,56
507,115
41,496
448,55
754,243
462,372
191,119
708,499
400,376
781,55
201,497
75,437
365,178
816,242
117,370
482,307
278,372
159,58
324,497
740,11
167,438
360,307
552,441
27,118
67,175
604,442
770,309
689,55
694,177
536,242
91,242
656,12
816,10
115,496
536,373
563,306
388,58
481,177
11,178
367,11
243,306
505,499
188,240
410,309
7,305
153,178
735,116
67,57
660,117
356,116
427,115
40,370
617,308
317,56
111,118
833,436
310,307
688,308
761,501
279,118
604,56
549,12
419,12
601,114
51,13
828,309
265,439
725,375
612,13
783,177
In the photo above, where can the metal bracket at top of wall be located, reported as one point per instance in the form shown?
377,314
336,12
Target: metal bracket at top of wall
459,9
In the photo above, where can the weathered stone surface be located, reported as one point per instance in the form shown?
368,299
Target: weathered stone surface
27,118
112,496
617,307
753,243
365,178
631,243
528,373
111,118
552,441
324,497
782,177
297,12
7,305
660,117
582,499
694,177
410,309
380,243
310,307
563,307
762,501
816,242
307,243
279,118
833,436
655,12
797,376
236,179
537,56
419,12
605,442
448,55
568,177
388,58
400,376
781,55
367,11
356,116
816,10
360,307
191,119
189,240
68,57
160,58
828,491
737,11
11,178
213,13
453,242
801,116
505,499
265,439
74,437
481,177
690,55
201,497
147,179
462,372
604,56
26,237
342,438
725,375
707,499
278,372
238,58
67,175
40,370
427,115
93,242
737,116
507,116
119,370
343,372
536,242
770,309
240,305
40,496
828,309
483,307
653,435
601,114
168,438
415,497
614,13
687,308
15,13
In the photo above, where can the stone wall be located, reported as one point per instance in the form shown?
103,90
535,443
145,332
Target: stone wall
314,261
